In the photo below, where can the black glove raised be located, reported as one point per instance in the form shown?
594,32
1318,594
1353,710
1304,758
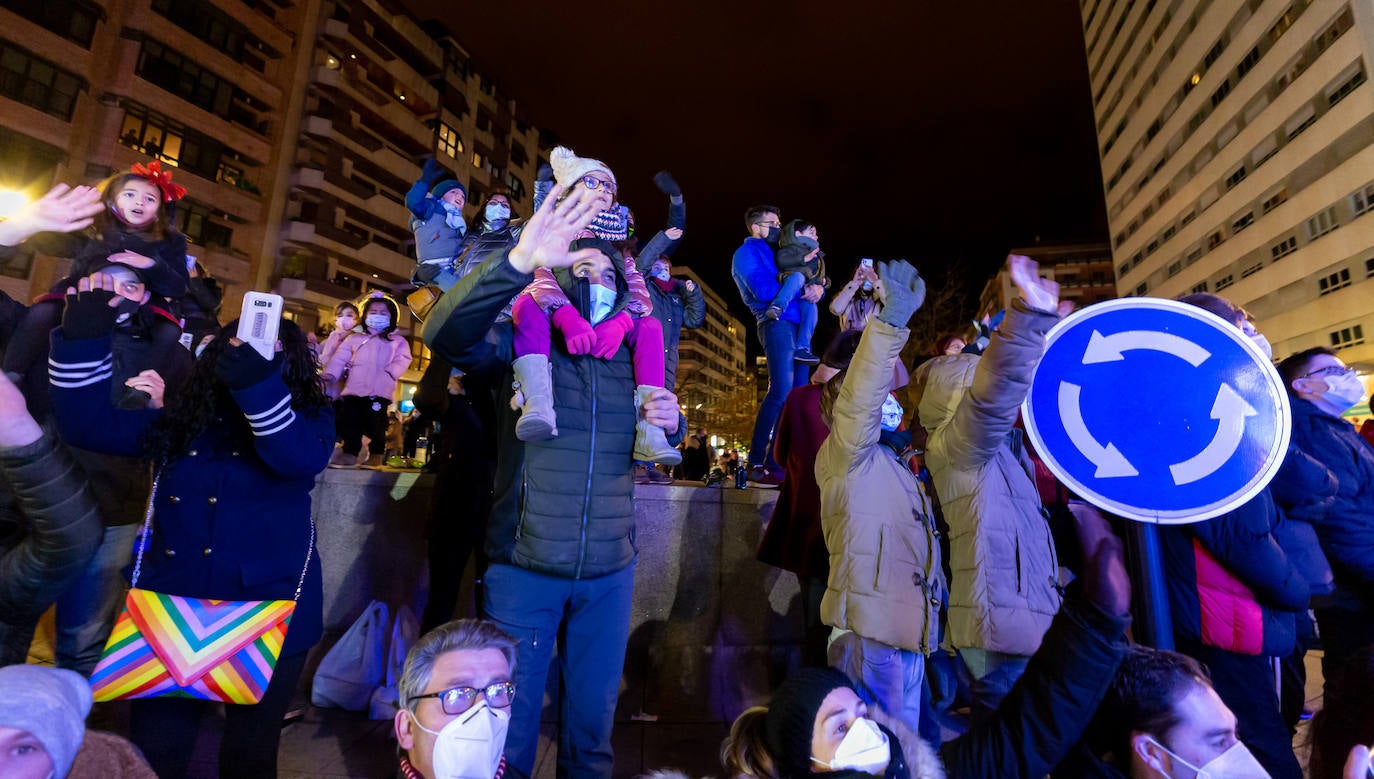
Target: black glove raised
667,184
432,171
89,314
241,367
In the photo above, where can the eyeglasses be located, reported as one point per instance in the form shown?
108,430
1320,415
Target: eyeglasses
770,224
457,700
592,182
1331,370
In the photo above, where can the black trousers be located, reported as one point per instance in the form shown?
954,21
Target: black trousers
1343,632
1246,684
360,417
166,728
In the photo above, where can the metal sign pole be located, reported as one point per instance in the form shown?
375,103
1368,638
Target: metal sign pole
1153,625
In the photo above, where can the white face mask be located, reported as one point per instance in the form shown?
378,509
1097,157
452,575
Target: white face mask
1234,763
377,321
496,212
345,322
603,300
892,413
864,748
1343,391
1263,344
469,746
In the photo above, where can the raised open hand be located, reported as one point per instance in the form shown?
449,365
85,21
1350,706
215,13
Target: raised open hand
545,238
63,209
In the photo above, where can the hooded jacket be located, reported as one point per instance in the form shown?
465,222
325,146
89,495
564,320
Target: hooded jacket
1004,572
562,507
885,579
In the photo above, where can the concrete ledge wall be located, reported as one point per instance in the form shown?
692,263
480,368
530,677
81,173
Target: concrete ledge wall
712,629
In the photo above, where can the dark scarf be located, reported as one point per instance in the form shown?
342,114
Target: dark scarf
666,286
899,441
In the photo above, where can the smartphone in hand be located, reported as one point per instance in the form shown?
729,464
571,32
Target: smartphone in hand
260,321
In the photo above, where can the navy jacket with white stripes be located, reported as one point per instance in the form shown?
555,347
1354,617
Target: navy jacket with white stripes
232,518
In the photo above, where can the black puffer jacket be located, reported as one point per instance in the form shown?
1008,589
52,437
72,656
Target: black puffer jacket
675,310
562,507
49,529
1346,525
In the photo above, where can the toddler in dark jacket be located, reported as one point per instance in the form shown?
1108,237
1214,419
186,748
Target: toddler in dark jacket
800,263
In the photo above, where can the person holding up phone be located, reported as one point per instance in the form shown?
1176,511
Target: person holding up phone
236,453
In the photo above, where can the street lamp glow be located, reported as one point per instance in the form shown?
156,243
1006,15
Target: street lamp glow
11,201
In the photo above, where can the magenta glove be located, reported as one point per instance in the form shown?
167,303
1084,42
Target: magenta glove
610,333
578,335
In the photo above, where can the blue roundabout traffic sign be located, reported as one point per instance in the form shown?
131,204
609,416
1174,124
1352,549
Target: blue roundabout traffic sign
1157,411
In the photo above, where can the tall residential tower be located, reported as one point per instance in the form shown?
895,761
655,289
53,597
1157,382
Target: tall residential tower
1237,148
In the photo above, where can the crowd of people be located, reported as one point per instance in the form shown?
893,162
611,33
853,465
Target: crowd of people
965,615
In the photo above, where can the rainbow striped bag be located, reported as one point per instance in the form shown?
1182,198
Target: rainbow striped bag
174,646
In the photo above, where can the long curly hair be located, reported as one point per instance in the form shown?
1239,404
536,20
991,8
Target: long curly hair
205,396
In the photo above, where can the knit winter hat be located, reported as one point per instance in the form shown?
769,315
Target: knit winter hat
568,168
791,717
49,703
446,186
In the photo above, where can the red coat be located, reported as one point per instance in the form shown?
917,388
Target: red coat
793,539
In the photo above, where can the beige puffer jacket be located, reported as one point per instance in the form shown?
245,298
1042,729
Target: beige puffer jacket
885,579
1004,590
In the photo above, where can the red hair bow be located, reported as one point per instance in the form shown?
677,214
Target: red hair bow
162,178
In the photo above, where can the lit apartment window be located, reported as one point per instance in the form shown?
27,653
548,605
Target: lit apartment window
479,159
74,20
1243,222
1321,224
1347,336
1362,200
449,142
1274,200
36,82
1224,282
1284,248
1328,284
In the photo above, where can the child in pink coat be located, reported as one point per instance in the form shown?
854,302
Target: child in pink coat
369,364
617,318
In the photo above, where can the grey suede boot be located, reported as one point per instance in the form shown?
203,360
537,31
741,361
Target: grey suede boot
651,443
534,397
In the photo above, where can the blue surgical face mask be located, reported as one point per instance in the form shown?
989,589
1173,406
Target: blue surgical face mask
603,300
661,273
497,212
377,322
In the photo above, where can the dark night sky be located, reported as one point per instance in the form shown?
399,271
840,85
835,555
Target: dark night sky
927,130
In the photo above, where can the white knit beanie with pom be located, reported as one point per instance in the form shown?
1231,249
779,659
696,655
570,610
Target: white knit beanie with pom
568,168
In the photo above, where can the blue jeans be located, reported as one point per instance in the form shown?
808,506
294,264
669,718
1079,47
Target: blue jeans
792,286
440,274
994,674
779,339
595,615
889,677
86,612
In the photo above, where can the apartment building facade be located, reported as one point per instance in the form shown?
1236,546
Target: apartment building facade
1237,148
1083,272
297,128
